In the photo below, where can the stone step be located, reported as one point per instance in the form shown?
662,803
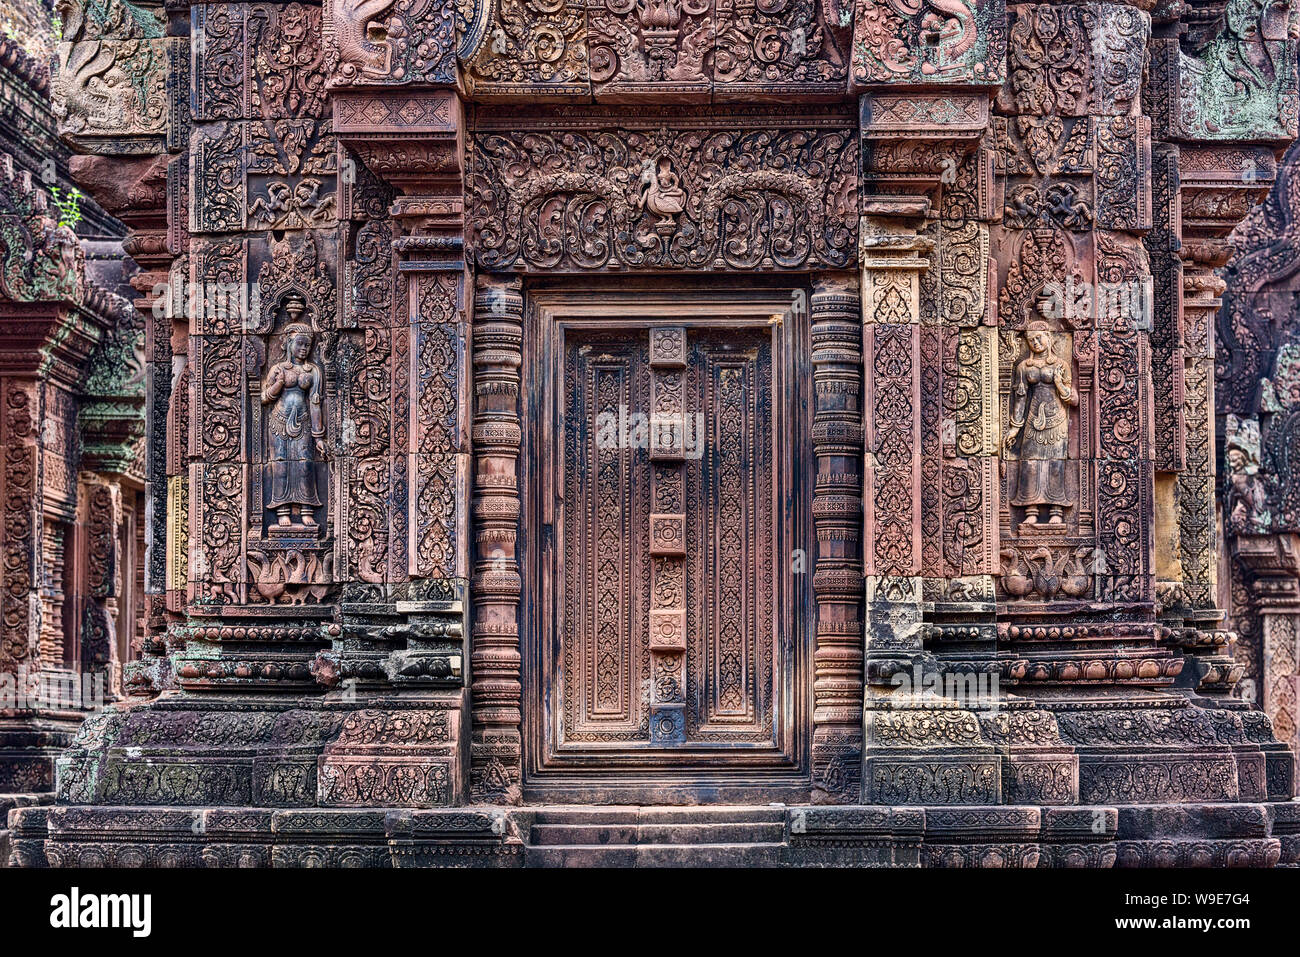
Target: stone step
742,832
710,855
559,835
767,814
656,855
634,815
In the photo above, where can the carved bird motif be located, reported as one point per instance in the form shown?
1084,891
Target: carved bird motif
269,578
1076,583
1047,574
956,28
1014,582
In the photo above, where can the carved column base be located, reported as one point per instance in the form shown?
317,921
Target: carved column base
1158,748
922,749
494,766
1037,766
395,753
837,765
263,837
30,744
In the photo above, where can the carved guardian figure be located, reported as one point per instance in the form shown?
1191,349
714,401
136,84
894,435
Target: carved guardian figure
295,429
1041,394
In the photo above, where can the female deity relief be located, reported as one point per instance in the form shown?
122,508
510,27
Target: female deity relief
1042,393
295,429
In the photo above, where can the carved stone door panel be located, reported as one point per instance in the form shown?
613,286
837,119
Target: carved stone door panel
668,628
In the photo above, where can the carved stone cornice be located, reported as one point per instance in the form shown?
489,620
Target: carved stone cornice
48,338
415,141
914,142
1217,187
1274,563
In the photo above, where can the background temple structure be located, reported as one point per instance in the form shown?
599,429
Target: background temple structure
72,423
667,431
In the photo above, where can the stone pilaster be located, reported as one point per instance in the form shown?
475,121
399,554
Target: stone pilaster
1274,565
919,749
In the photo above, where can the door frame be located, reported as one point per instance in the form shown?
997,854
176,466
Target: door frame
661,778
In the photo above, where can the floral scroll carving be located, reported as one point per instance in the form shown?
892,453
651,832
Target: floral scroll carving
655,198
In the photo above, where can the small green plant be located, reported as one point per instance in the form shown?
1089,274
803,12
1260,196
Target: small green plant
56,23
69,205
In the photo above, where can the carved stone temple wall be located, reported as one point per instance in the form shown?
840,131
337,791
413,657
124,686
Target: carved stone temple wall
71,435
1257,336
807,407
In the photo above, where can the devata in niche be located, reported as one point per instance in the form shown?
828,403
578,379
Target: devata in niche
295,429
1042,393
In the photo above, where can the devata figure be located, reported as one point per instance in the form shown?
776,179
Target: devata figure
295,431
1041,392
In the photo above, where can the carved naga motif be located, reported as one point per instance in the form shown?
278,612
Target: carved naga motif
391,41
361,38
111,70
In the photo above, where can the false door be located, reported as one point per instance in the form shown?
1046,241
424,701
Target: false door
668,636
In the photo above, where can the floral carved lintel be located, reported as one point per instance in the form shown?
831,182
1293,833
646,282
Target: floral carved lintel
701,198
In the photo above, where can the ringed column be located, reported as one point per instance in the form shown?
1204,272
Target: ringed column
495,688
835,312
